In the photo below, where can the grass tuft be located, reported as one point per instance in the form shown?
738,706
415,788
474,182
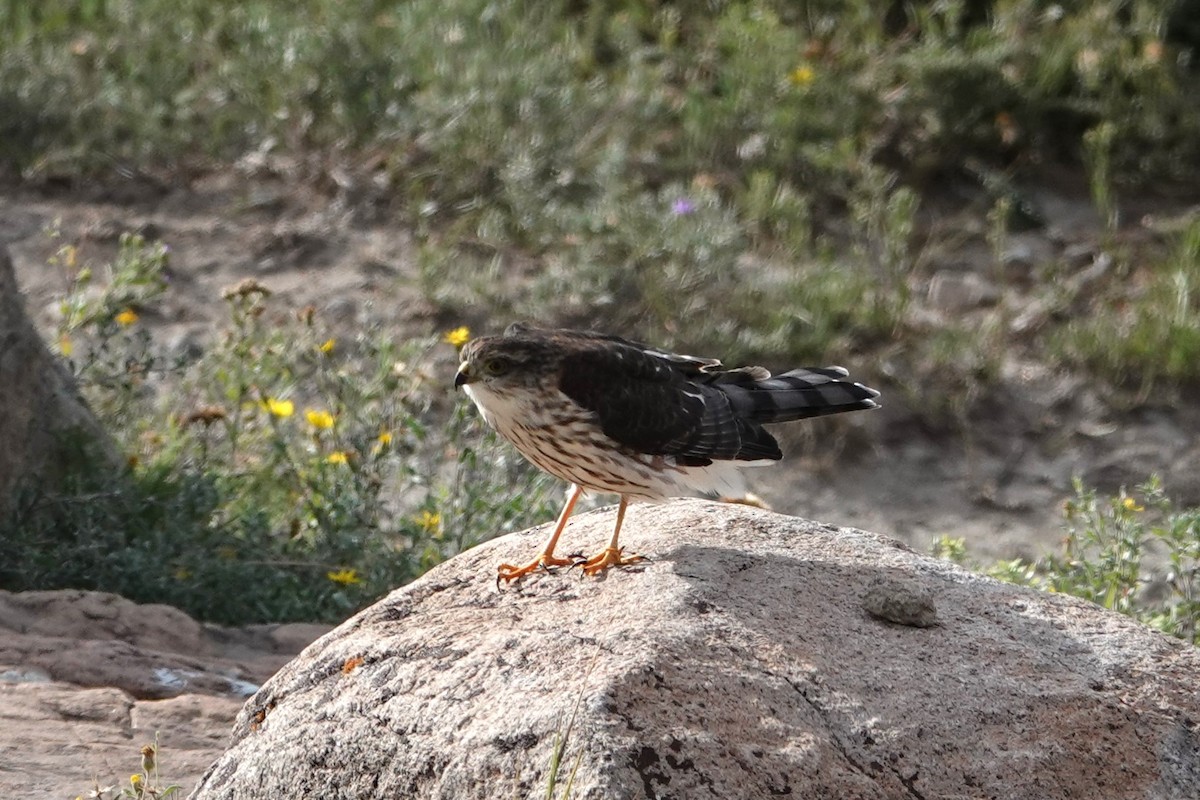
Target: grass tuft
1146,329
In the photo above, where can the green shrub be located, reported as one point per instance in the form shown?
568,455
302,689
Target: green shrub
1140,557
1146,328
286,474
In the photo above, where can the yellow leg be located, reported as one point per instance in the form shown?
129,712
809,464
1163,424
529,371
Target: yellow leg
611,555
545,559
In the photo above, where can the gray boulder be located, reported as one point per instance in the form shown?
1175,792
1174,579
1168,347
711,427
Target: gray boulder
50,435
755,656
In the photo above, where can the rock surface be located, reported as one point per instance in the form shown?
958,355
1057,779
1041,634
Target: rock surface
62,741
87,678
48,431
740,663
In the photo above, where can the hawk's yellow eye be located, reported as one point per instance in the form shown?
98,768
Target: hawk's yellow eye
496,366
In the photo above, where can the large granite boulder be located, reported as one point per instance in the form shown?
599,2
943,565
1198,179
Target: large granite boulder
755,656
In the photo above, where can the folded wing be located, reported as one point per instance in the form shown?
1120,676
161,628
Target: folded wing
691,408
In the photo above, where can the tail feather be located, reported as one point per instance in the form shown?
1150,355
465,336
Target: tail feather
734,405
798,394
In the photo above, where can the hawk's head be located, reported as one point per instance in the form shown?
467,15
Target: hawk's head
511,378
521,359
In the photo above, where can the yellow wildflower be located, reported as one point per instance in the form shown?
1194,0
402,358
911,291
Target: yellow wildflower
135,780
1131,505
429,520
327,345
802,75
65,345
338,457
385,438
345,577
126,317
457,337
319,419
280,408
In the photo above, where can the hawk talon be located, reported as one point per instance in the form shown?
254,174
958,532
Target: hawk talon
606,558
511,572
636,558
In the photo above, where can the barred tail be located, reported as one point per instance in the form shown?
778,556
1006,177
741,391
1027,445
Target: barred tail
799,394
726,410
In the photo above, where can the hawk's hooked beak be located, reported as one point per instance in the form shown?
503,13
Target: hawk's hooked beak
463,376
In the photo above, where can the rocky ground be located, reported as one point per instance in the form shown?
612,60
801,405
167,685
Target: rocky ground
87,679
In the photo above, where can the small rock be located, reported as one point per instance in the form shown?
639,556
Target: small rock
1079,254
903,602
1032,318
953,291
186,345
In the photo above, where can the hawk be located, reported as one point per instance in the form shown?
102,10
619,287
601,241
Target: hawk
608,414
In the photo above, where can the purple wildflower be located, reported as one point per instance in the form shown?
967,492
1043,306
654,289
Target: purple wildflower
682,207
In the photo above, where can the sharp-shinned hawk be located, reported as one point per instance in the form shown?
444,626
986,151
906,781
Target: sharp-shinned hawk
610,415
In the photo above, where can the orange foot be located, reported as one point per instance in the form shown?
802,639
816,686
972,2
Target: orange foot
510,572
608,557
